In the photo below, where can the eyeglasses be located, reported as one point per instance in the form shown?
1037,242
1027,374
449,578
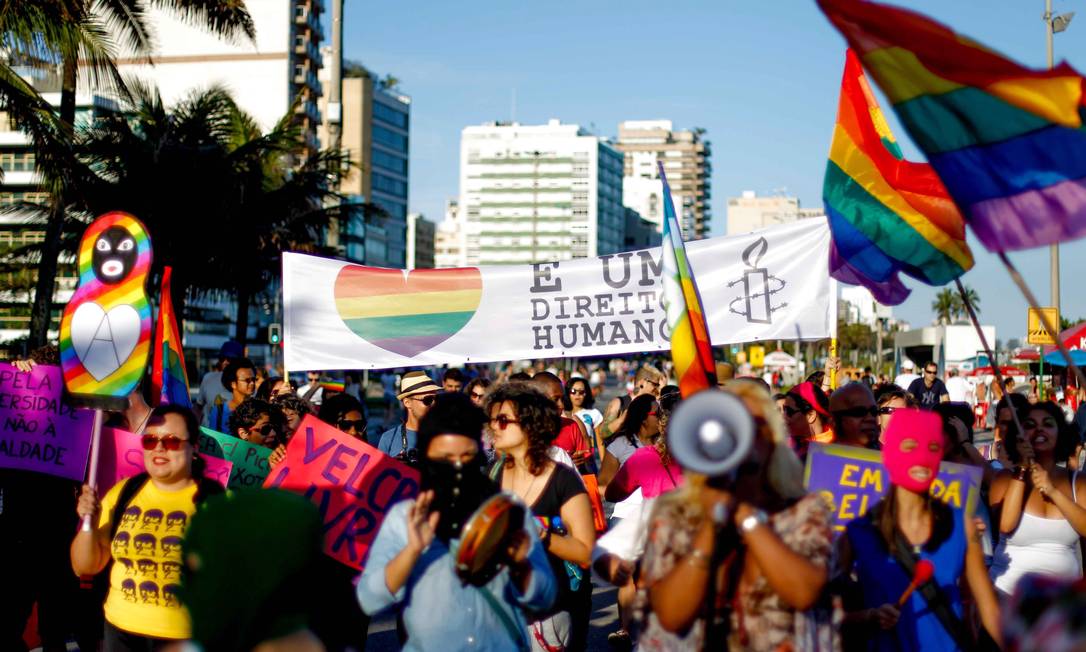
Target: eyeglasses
477,397
858,412
577,392
250,379
886,409
427,400
790,411
502,421
931,372
264,429
169,442
346,424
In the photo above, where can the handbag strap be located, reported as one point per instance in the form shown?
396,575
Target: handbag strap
932,594
511,628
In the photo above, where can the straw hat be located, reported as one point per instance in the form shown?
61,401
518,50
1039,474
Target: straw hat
414,383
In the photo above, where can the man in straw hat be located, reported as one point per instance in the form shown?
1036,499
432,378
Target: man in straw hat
417,393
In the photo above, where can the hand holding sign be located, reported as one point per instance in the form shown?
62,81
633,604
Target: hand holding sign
352,483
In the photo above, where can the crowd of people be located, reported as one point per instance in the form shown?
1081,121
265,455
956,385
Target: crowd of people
749,560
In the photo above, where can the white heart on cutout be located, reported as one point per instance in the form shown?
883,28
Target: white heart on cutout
104,340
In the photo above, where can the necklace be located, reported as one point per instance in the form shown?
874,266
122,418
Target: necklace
531,485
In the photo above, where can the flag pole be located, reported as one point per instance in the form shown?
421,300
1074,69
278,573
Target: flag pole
1051,328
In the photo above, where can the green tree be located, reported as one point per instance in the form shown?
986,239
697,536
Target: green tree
974,300
221,200
75,35
947,306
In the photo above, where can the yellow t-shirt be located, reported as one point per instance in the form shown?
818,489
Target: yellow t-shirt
146,575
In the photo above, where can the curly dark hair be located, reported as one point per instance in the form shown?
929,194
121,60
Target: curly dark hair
484,383
1066,436
250,411
294,402
333,408
589,400
265,389
230,374
538,416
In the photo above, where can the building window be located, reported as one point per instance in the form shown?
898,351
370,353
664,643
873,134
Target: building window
388,184
386,113
389,138
382,159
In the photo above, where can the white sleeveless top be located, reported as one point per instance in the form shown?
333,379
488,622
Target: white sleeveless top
1046,546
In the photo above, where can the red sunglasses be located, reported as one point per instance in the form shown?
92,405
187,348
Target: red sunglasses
169,442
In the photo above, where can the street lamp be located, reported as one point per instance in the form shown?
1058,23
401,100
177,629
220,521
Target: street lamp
1053,25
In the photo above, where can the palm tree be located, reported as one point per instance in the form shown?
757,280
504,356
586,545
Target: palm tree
221,200
945,306
74,34
973,298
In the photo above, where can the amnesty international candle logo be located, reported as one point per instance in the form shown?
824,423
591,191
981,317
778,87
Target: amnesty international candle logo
758,287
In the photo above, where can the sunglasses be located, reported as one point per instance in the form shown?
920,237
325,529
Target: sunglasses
578,392
346,424
502,421
169,442
250,379
427,400
930,372
477,397
886,409
858,412
264,429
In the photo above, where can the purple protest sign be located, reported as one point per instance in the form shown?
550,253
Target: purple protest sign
853,479
38,431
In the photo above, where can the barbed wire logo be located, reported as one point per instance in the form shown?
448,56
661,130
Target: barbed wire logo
758,287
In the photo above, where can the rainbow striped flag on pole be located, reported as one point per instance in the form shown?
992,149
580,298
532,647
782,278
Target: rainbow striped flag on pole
887,215
1007,141
169,381
691,351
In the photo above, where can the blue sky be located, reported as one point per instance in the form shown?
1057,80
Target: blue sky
761,77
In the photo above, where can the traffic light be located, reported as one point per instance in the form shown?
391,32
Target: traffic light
275,334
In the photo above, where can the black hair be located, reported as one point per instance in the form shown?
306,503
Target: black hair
453,374
265,389
1066,434
520,377
884,516
538,416
294,402
886,393
192,430
334,407
779,396
230,374
249,412
452,413
636,414
1018,403
589,400
485,383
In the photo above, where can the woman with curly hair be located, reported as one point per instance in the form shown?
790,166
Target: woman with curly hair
777,543
522,422
1041,515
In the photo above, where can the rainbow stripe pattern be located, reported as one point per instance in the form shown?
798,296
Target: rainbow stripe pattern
1007,141
887,215
129,292
691,350
407,313
169,379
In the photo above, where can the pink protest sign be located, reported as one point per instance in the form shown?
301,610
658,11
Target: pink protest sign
122,457
352,483
38,430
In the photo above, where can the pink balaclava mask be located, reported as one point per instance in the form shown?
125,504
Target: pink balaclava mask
926,429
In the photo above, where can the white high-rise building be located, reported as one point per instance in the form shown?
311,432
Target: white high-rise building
450,242
751,212
532,193
264,77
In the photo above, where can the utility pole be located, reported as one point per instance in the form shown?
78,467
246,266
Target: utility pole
335,73
1054,24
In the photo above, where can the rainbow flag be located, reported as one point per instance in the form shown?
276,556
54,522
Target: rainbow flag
169,380
887,215
690,348
1006,140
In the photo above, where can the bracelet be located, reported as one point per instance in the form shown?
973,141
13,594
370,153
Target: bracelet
697,558
546,540
1020,473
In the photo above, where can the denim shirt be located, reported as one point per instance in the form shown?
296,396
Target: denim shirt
441,613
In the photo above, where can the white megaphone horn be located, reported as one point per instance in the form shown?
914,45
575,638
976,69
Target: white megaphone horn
710,433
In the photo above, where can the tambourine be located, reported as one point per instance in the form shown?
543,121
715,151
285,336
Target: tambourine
485,537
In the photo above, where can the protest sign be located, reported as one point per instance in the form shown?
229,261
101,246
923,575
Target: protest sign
121,456
38,431
352,483
853,479
250,461
768,284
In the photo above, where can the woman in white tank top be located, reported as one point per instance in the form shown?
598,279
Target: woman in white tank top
1040,515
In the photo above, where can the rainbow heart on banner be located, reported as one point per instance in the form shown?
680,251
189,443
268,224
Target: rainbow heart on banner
407,313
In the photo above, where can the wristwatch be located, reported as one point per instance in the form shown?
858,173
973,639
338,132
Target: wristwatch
754,520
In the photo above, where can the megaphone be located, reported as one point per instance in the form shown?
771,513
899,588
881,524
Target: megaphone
710,433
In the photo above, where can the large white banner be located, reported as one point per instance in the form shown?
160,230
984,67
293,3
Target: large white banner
769,284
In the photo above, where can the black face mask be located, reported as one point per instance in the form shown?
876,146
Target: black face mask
458,488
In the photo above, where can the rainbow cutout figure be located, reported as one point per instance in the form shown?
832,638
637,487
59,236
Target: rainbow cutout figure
105,331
